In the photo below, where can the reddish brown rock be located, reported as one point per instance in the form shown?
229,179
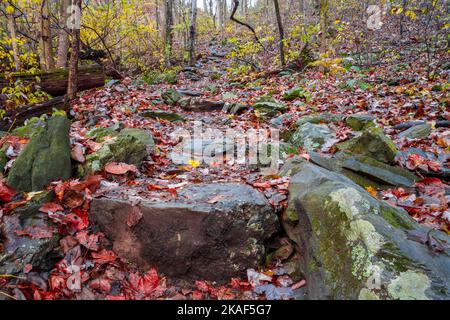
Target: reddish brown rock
212,232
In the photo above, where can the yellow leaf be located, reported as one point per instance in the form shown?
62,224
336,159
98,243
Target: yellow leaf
372,191
9,9
194,164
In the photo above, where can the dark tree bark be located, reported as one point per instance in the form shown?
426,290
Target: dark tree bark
72,85
168,32
232,18
192,32
281,32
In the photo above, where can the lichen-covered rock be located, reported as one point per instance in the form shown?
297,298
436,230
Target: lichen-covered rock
20,250
143,136
269,107
171,96
416,132
210,231
165,115
123,148
354,246
320,118
311,136
45,158
372,143
360,121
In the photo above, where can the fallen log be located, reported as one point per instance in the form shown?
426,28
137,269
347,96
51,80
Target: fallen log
17,117
55,82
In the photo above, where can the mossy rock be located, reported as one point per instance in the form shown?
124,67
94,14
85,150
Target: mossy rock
124,148
3,159
378,171
32,125
100,133
143,136
360,122
171,97
354,246
311,136
269,107
416,132
372,143
44,159
296,93
165,115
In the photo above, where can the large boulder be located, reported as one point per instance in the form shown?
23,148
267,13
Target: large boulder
311,136
40,248
212,232
45,158
372,143
354,246
129,146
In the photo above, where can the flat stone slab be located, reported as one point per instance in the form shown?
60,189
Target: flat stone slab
211,231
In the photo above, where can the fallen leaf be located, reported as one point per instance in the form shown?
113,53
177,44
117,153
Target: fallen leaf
120,168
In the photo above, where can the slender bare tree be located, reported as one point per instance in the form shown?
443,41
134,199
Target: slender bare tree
280,31
192,32
72,85
63,36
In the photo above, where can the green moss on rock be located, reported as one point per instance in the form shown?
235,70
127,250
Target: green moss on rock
45,158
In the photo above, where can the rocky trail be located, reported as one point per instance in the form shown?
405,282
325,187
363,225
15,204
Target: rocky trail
146,197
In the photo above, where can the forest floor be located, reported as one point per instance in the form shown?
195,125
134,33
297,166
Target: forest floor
393,93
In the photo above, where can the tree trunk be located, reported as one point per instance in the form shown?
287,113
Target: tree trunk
281,32
324,6
46,37
72,85
63,36
13,35
168,32
192,32
220,18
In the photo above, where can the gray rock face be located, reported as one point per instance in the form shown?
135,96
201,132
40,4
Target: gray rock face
379,172
311,136
211,232
165,115
45,158
416,132
372,143
356,247
360,121
22,250
171,96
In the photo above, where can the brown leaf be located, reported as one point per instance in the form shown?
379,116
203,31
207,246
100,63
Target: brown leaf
77,153
119,168
134,216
